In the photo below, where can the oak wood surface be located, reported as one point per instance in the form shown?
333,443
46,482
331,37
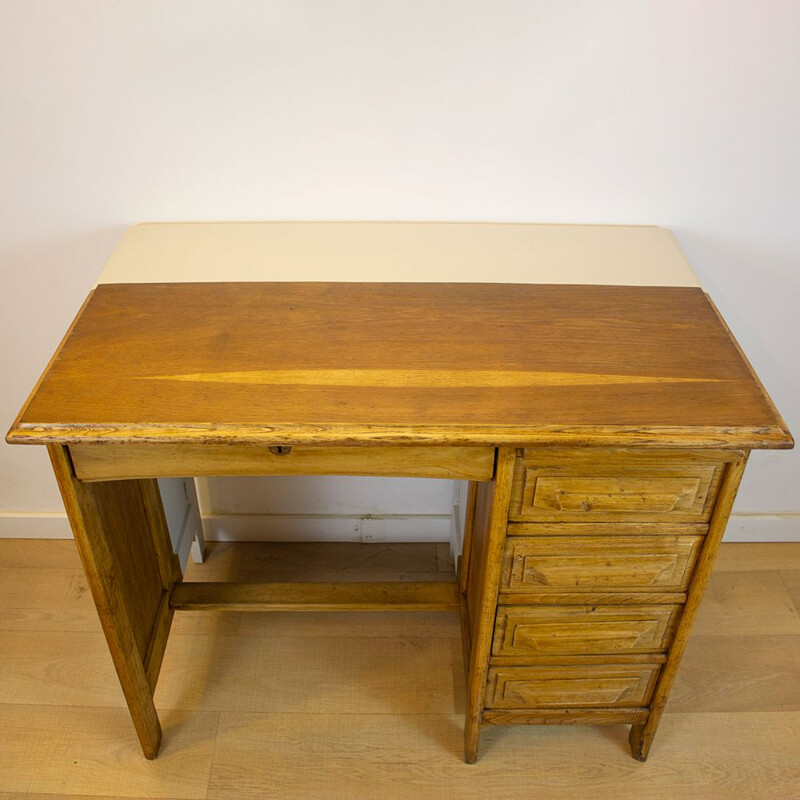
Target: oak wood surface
111,462
624,485
117,532
399,363
641,736
598,564
542,630
565,716
486,562
604,685
315,596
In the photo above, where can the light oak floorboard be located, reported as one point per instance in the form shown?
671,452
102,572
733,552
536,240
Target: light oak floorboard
94,751
318,561
335,624
750,556
362,675
44,588
48,796
39,553
746,603
418,756
58,668
738,673
791,580
444,558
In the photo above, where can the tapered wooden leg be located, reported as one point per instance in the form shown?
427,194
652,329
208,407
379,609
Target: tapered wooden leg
123,542
472,737
641,736
486,538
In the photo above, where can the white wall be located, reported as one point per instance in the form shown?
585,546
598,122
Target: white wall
682,113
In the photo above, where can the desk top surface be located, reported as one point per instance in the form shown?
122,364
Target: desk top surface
205,356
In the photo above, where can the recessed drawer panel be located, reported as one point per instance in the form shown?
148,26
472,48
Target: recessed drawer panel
588,485
598,563
606,685
583,630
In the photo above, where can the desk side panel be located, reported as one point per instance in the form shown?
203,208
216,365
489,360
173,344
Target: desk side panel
122,539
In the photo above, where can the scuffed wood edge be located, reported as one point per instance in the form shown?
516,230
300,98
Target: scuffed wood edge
724,437
781,423
17,422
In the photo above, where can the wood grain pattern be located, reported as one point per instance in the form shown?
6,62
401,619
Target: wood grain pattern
746,603
601,364
594,563
707,757
486,562
596,484
591,597
641,736
565,716
544,630
606,529
112,462
85,750
112,526
577,686
384,596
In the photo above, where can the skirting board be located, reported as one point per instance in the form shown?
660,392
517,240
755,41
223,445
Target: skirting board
321,528
390,528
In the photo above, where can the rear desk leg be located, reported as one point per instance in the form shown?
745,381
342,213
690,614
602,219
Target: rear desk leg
641,736
124,546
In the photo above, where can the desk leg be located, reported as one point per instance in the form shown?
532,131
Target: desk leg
641,736
486,539
124,545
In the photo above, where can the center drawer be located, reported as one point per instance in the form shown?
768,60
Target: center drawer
598,563
114,461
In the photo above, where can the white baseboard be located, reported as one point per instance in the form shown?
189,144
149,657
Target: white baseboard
390,528
763,528
34,525
320,528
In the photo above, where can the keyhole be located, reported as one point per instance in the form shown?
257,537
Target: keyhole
280,451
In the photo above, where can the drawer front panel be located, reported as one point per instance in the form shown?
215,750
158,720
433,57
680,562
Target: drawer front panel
584,486
623,685
598,563
583,630
110,462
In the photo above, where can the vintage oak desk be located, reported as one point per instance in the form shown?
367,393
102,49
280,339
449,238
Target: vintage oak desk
577,375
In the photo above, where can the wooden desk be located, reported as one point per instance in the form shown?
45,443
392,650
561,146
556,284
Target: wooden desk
590,392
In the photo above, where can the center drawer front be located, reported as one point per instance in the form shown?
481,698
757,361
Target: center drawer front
598,563
110,462
574,686
523,631
627,485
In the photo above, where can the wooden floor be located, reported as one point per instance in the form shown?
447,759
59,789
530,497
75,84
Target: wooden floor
370,705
